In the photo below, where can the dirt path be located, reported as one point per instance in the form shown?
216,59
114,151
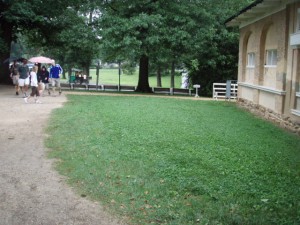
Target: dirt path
31,191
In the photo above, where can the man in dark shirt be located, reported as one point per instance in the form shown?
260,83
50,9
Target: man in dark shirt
24,77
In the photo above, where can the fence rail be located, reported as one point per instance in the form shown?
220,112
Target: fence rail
115,87
220,91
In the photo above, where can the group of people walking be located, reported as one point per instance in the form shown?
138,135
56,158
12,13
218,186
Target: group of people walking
38,78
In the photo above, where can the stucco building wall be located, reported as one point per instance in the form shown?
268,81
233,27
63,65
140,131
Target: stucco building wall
269,67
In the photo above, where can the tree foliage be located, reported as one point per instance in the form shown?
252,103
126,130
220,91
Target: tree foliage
59,28
190,33
143,30
215,57
173,31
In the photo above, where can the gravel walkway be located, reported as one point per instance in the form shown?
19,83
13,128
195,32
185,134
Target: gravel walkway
31,191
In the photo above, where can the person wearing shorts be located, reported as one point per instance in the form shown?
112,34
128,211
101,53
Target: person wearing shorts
15,76
24,77
34,86
43,76
55,72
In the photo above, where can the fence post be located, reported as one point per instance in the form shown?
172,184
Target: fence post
228,89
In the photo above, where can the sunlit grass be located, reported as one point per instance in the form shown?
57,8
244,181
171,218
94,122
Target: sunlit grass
111,76
170,161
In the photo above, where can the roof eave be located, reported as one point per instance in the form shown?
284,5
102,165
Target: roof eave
256,11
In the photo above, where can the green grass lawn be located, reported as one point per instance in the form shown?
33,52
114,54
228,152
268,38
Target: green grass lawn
111,76
170,161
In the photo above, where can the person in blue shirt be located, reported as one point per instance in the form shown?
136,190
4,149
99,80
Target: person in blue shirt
55,74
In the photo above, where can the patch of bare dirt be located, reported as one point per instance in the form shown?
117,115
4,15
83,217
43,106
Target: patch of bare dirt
31,191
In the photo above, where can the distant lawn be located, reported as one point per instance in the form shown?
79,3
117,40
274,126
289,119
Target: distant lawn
169,161
111,76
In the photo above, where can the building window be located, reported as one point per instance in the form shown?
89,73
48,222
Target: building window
271,57
251,59
298,21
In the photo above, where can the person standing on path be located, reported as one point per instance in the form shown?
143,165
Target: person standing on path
24,77
15,76
55,72
43,76
34,86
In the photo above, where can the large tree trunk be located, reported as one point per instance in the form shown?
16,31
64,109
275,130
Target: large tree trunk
70,73
64,71
87,69
158,78
6,35
172,83
143,84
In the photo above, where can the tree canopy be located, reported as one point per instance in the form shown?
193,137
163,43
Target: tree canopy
215,57
144,30
190,33
55,27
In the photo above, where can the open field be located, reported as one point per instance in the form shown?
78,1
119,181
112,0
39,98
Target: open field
111,76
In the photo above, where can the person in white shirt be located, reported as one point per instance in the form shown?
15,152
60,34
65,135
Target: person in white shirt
34,86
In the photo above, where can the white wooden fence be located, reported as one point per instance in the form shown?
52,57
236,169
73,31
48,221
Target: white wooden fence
219,91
